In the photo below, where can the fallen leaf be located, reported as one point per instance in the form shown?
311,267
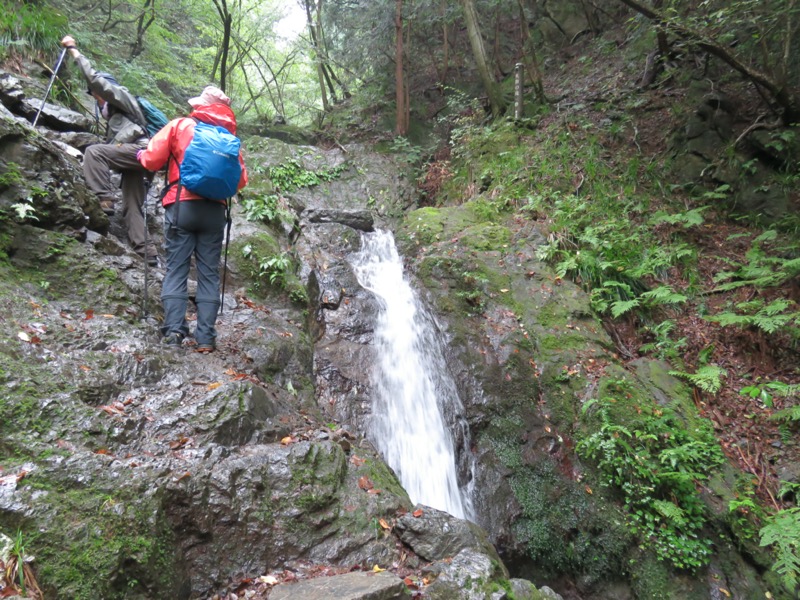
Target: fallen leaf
504,290
418,513
589,490
384,524
268,580
24,336
184,476
103,451
213,386
377,569
357,460
726,592
84,367
287,440
179,443
373,492
365,483
88,315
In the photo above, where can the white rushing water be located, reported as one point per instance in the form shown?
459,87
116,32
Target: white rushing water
411,384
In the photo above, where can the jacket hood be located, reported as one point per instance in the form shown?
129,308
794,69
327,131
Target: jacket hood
216,114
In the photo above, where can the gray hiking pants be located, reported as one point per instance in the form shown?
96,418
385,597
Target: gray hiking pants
193,228
98,162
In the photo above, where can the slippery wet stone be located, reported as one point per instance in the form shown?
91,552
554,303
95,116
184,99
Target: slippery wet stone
350,586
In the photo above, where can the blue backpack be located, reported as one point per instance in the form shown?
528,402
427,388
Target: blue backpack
210,166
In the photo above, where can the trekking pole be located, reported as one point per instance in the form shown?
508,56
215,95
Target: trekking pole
49,87
225,264
146,246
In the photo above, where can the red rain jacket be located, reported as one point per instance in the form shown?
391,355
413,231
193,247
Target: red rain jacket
173,140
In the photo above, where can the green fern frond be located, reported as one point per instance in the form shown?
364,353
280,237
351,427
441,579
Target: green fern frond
670,511
708,378
620,307
663,295
791,413
782,532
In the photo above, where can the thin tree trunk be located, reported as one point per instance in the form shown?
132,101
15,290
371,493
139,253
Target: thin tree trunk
496,101
529,57
401,126
315,44
445,43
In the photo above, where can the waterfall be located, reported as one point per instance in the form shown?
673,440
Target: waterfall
412,388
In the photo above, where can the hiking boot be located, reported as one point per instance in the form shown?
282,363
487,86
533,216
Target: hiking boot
174,340
150,259
108,207
205,348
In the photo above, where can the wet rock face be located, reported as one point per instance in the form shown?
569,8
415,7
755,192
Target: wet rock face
43,179
145,470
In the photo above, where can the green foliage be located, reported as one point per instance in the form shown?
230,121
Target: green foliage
690,218
646,453
11,175
274,268
30,26
708,378
782,532
789,414
767,391
18,554
663,346
268,208
291,175
764,269
778,315
408,152
471,290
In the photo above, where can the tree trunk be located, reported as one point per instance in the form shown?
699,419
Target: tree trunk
445,44
146,18
496,102
529,57
317,50
401,124
226,19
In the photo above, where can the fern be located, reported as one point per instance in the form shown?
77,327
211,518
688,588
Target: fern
687,219
769,318
782,532
708,378
787,414
620,307
663,295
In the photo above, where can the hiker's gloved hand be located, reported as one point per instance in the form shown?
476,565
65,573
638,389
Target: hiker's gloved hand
69,42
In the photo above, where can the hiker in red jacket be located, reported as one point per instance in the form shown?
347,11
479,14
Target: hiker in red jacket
124,138
193,225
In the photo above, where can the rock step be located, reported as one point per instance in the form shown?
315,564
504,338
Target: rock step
350,586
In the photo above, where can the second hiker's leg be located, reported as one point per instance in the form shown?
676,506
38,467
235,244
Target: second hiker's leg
207,255
179,245
133,196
